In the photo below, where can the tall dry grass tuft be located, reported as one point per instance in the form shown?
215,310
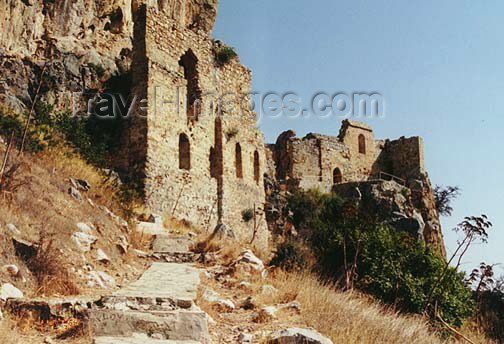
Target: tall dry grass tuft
67,162
348,317
50,271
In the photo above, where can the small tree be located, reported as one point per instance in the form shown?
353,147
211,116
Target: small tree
444,196
483,276
474,229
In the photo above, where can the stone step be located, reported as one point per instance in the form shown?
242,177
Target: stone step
139,340
166,281
163,243
173,325
160,304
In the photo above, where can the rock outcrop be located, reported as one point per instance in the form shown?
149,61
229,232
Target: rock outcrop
411,209
75,46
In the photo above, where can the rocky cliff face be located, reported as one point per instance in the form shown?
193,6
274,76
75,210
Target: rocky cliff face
411,209
75,45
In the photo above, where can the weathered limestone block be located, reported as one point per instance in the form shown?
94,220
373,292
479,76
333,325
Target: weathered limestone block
297,336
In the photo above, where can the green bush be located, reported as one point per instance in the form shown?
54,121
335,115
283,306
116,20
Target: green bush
40,133
350,246
225,54
291,256
491,313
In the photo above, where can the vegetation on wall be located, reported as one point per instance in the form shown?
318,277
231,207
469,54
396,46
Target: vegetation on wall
247,214
225,54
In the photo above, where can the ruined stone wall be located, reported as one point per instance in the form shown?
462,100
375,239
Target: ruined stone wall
405,157
319,161
359,138
355,153
315,158
209,189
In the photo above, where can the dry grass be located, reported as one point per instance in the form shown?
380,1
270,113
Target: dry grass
27,330
344,317
44,206
350,317
65,162
180,227
226,249
50,271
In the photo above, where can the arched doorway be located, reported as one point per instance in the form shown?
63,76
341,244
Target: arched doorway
337,176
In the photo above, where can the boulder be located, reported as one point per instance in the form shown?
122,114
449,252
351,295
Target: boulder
100,279
292,306
218,303
13,229
122,244
297,336
84,240
246,338
11,269
8,291
101,256
413,224
75,193
249,261
80,184
83,227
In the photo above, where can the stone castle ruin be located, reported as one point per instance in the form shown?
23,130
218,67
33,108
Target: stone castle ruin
320,161
202,163
196,160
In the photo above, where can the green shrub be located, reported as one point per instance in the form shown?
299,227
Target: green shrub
491,313
40,133
291,256
353,249
247,214
225,54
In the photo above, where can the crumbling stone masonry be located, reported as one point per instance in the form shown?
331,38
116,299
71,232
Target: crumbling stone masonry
320,161
354,158
199,161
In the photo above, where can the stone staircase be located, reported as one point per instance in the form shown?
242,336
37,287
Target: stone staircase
158,308
172,249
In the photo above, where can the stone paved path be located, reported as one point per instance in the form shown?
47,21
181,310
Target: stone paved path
158,308
165,280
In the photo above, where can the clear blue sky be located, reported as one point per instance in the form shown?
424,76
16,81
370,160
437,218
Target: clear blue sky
438,64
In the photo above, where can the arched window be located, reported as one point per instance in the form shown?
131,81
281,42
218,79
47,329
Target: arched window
362,144
257,168
337,177
184,152
189,62
238,161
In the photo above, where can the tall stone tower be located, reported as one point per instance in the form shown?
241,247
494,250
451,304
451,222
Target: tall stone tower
198,158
